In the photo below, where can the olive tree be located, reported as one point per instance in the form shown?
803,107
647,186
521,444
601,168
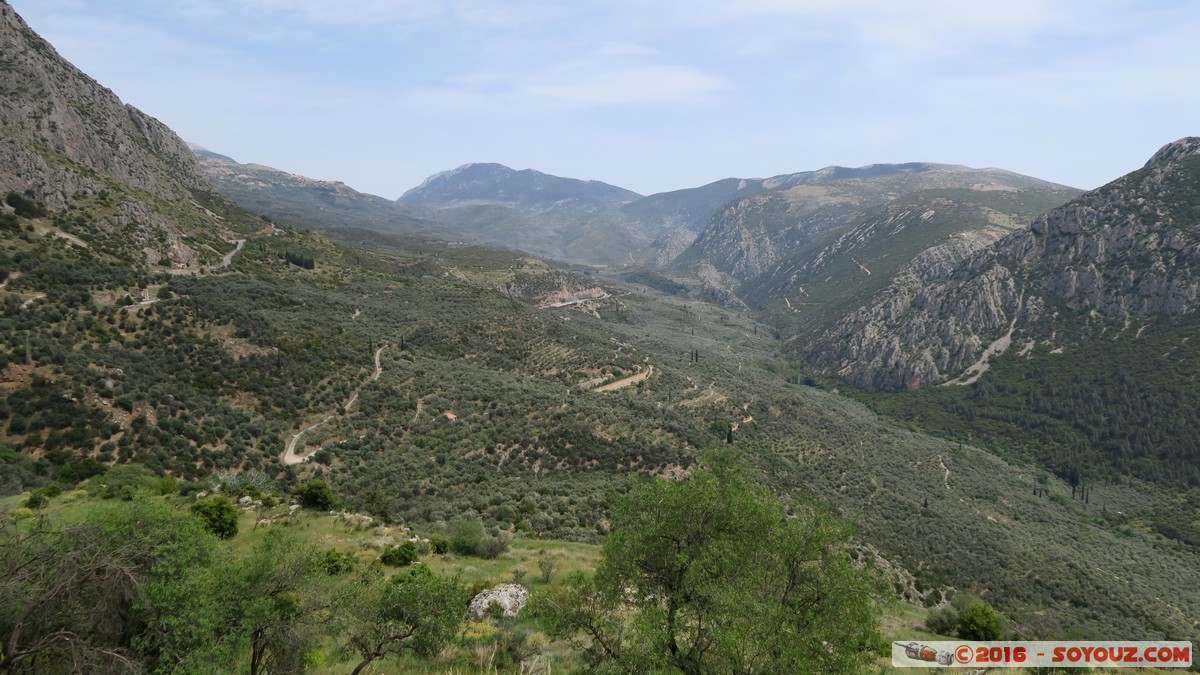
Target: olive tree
416,611
716,574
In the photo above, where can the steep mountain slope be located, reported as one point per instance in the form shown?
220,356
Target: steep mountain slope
690,208
674,218
1076,331
69,143
1128,249
315,203
820,281
755,234
562,218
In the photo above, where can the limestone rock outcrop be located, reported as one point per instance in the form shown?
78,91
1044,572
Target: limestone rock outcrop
511,598
1128,249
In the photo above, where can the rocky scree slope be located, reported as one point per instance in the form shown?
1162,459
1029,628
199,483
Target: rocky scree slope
1128,249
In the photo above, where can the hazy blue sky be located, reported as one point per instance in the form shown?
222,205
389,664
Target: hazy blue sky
649,95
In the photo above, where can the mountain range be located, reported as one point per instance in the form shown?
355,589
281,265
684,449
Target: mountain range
1126,252
164,307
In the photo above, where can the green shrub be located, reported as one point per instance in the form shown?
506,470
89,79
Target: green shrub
466,536
979,621
219,513
125,481
334,562
25,206
316,494
547,567
168,485
492,547
943,621
400,556
962,599
36,500
439,544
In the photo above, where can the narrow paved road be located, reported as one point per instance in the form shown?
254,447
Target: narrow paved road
225,262
290,456
228,259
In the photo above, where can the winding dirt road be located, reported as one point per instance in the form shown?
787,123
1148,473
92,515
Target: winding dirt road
290,456
225,262
632,379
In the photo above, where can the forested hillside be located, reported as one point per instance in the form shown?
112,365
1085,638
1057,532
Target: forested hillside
157,337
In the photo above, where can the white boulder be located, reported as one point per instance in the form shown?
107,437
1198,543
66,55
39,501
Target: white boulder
509,597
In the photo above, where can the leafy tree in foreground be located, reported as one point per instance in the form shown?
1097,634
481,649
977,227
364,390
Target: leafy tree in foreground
85,598
711,574
416,610
281,596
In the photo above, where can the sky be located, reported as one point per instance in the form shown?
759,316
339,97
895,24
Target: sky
650,95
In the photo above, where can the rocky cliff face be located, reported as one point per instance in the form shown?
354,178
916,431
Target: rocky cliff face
1130,248
52,103
66,139
812,246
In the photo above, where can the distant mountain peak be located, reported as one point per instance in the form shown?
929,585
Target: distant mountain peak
528,190
468,168
1176,150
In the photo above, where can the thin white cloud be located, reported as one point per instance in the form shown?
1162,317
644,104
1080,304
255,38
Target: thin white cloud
571,88
1019,83
451,100
403,13
874,31
345,11
622,73
628,85
612,73
619,49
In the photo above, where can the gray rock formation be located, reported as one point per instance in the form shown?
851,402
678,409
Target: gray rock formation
1130,248
511,598
52,103
68,141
